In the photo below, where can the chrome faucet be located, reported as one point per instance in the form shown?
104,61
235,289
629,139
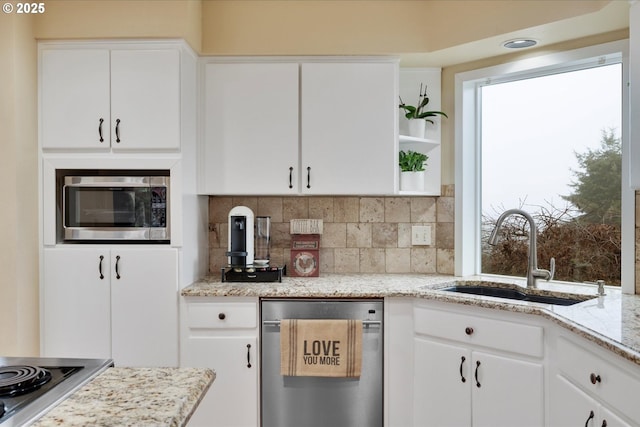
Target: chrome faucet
533,272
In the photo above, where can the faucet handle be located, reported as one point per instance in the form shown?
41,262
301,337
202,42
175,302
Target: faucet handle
552,268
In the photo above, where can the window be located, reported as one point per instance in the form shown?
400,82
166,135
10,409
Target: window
511,156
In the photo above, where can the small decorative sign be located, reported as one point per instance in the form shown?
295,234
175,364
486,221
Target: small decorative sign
305,255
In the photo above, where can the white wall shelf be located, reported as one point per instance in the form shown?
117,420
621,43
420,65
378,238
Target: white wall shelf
425,144
409,88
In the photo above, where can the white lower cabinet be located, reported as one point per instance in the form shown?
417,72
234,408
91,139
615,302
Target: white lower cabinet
222,334
471,370
590,388
105,302
570,406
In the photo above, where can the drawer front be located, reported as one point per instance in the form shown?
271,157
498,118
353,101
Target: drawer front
613,385
497,334
222,315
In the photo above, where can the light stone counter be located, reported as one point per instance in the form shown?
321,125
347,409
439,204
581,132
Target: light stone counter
159,397
612,321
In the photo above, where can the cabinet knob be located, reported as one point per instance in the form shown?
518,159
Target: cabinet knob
595,378
221,316
468,330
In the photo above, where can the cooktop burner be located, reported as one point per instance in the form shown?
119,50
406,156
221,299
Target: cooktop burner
17,380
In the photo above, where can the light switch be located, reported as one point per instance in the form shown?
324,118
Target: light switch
420,235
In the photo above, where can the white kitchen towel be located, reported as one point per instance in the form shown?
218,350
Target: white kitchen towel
321,347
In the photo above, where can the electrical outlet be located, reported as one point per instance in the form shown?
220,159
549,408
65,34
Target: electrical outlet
420,235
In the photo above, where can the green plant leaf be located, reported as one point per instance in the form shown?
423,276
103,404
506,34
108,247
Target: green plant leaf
411,161
431,114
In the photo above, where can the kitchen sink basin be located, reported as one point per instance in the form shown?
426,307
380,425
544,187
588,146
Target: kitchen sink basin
516,294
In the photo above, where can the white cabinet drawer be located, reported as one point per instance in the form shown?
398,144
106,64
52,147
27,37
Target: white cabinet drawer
482,331
613,385
222,315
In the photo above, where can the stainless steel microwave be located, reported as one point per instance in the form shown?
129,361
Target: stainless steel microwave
115,208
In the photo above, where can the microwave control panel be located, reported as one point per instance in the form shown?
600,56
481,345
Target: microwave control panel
159,207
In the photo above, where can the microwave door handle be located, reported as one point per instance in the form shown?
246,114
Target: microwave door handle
106,184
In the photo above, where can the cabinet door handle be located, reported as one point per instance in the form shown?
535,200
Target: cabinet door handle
290,177
222,316
248,355
476,374
308,176
462,378
100,129
595,378
591,415
468,330
118,130
604,423
118,267
100,267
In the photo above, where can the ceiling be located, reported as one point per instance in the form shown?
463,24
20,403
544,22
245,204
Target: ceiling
612,17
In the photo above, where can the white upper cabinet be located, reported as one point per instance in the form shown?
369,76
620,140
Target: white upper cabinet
250,125
349,128
145,98
74,99
299,128
100,99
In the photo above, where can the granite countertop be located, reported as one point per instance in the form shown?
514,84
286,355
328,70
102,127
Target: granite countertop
159,397
612,321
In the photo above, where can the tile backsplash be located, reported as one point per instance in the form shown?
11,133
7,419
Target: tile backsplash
361,234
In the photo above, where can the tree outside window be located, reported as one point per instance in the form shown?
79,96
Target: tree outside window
579,222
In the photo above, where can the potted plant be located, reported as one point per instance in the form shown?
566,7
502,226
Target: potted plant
417,117
412,165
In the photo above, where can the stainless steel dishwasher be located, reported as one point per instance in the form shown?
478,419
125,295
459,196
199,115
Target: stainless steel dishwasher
289,401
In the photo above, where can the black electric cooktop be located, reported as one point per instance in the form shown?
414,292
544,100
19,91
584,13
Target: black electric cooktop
29,387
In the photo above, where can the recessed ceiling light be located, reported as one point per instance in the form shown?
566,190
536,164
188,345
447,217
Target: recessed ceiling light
519,43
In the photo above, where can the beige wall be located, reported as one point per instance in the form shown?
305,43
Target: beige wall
92,19
18,174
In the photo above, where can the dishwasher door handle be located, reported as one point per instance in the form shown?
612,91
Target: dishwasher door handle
364,322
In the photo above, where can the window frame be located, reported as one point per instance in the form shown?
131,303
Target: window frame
468,209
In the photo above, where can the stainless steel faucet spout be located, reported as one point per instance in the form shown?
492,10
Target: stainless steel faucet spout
533,272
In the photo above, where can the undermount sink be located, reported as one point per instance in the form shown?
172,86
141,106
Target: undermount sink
518,294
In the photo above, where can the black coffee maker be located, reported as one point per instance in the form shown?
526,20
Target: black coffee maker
240,247
240,254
